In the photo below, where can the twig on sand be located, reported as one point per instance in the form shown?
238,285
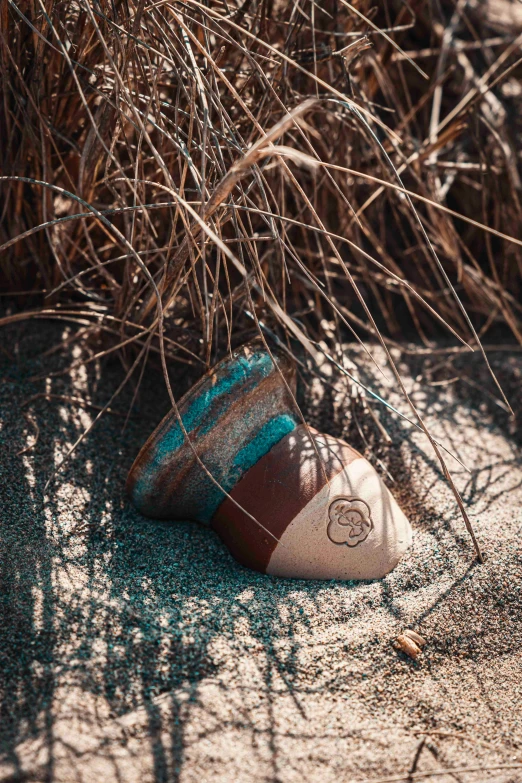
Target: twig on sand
460,735
431,773
70,399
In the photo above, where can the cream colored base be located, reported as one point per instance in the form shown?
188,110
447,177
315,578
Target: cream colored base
305,550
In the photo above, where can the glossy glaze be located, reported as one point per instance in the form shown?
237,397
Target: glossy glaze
232,416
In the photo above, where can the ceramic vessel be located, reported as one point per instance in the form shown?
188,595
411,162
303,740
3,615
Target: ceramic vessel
285,499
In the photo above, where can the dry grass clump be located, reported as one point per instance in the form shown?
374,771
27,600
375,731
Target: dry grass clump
174,171
134,113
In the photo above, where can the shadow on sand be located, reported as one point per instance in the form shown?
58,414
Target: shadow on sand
98,600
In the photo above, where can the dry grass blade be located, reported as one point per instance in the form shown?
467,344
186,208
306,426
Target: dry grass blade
433,773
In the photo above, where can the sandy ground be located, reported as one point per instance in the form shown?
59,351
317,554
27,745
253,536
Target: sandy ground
138,652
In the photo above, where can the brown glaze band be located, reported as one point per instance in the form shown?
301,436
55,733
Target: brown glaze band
275,490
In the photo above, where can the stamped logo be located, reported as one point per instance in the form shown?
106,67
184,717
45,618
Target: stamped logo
350,521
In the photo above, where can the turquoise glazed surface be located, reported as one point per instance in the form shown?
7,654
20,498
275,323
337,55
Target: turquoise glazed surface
233,417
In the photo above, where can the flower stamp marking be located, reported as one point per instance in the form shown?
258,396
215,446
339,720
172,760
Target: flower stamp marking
350,521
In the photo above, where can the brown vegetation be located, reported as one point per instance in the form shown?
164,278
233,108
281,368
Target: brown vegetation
133,114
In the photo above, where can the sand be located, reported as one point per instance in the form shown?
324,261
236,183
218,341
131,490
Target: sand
135,651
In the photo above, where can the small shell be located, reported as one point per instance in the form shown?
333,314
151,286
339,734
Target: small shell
415,637
407,646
